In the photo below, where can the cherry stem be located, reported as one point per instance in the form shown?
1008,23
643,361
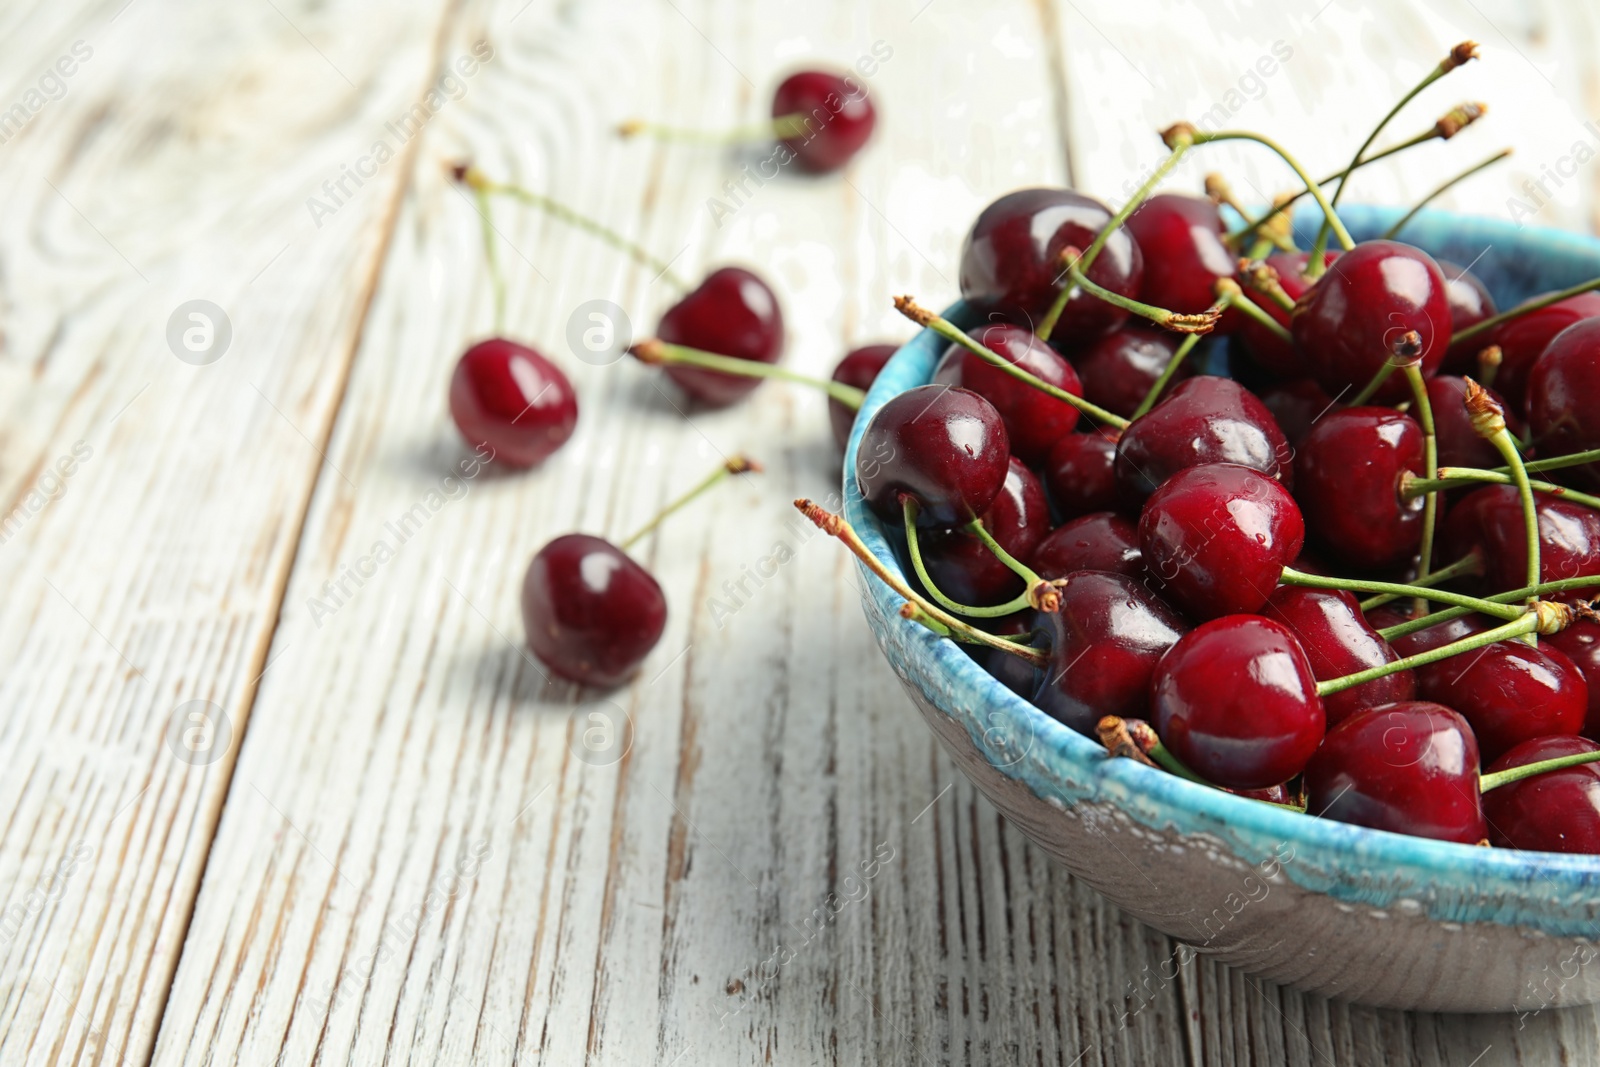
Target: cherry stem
1430,464
1143,735
909,509
1372,385
1554,463
1489,360
948,330
1392,231
836,526
1179,144
661,353
1263,279
1345,241
1228,293
738,464
496,281
1522,309
1471,563
1198,322
1113,733
1291,576
1488,418
479,182
1455,477
780,128
1487,782
1259,314
1564,585
1527,623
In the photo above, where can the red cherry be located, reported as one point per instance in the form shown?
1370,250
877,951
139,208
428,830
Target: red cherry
1236,702
1436,636
1011,261
1347,480
511,400
1105,643
1099,541
731,313
1557,811
1522,341
1470,304
1411,768
1459,443
944,448
963,567
1339,641
1216,538
1359,315
1510,692
859,368
1490,519
1296,406
1180,238
1204,420
1269,351
1034,419
591,613
1564,396
838,117
1118,369
1581,643
1080,473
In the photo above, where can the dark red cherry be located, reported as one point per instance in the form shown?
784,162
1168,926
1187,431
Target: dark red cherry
1034,419
509,399
1490,519
1358,316
1080,474
859,368
1509,691
1338,641
1180,238
1236,702
1459,443
944,448
1105,642
591,613
731,313
1011,261
1522,341
1435,636
1470,304
960,564
838,117
1296,406
1581,643
1203,420
1347,480
1564,397
1216,538
1411,768
1557,811
1118,369
1099,541
1269,351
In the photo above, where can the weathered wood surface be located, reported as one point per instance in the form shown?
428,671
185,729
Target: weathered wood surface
405,857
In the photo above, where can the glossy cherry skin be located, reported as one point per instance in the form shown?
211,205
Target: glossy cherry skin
1099,541
1510,692
1080,474
511,401
1347,480
1216,538
1266,349
591,613
1203,420
1581,643
1338,641
1522,341
1411,768
944,448
859,368
1105,643
1459,443
731,313
1180,238
960,564
1011,261
839,117
1118,369
1490,519
1564,398
1350,323
1470,304
1034,419
1557,811
1236,702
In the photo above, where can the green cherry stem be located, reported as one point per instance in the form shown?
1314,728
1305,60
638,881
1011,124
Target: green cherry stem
660,353
1197,322
1522,309
496,279
1251,309
1430,463
1526,623
1564,585
738,464
1291,576
1393,231
1489,420
1554,463
948,330
1263,279
910,510
1487,782
784,126
1228,292
1471,563
1455,477
1345,241
1372,385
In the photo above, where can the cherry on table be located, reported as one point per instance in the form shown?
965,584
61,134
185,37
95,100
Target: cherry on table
1080,474
859,369
1203,420
1180,238
1338,641
1409,767
1510,692
964,569
509,399
591,613
1557,811
945,448
732,313
1117,370
1347,481
1236,702
836,114
1034,419
1581,643
1099,541
1564,397
1523,339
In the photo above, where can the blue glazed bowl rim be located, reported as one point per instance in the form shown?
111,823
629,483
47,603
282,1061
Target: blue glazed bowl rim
1164,800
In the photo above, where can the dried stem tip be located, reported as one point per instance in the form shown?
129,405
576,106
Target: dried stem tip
1459,118
1179,133
1217,189
1488,418
648,351
1114,736
1460,55
1046,595
1407,346
821,517
914,311
630,127
468,175
1554,616
1490,357
743,464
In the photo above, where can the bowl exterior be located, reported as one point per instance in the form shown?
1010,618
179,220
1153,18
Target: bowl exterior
1342,911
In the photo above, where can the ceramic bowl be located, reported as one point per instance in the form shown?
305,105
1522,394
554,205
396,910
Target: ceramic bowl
1363,915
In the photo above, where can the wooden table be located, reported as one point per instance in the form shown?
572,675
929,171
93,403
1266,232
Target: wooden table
396,847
